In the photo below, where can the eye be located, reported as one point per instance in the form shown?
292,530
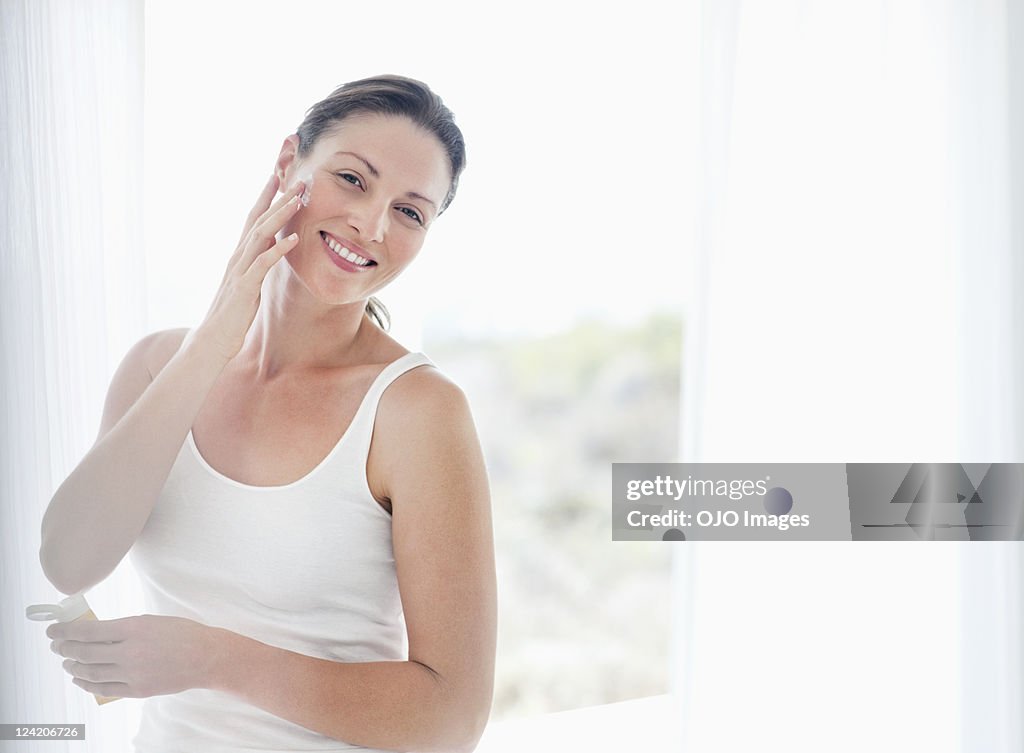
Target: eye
353,179
412,213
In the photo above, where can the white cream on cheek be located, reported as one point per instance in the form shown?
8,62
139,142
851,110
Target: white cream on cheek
306,178
307,194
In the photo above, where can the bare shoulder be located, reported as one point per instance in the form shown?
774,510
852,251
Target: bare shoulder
151,353
138,369
423,431
423,395
162,346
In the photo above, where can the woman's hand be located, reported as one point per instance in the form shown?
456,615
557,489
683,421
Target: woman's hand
234,307
136,657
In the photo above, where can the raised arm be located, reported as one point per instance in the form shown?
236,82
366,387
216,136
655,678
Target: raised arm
99,510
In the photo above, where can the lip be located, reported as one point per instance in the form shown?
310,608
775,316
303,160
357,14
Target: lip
345,264
353,247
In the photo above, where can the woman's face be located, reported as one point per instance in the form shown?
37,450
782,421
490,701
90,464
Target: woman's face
377,184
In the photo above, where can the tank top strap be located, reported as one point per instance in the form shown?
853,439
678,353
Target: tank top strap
362,424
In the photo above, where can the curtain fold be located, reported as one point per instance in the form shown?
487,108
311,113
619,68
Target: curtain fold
71,303
861,162
992,660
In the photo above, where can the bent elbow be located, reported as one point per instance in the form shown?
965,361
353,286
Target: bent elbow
467,730
50,558
60,579
476,732
457,729
468,745
60,572
54,574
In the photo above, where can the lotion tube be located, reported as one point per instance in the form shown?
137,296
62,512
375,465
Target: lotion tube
68,610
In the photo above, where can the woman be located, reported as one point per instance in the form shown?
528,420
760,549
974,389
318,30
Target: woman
305,499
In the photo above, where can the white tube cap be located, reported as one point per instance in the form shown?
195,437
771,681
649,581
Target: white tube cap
67,610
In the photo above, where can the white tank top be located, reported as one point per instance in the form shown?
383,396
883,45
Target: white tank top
307,566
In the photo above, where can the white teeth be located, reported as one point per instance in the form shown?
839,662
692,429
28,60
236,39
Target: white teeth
346,254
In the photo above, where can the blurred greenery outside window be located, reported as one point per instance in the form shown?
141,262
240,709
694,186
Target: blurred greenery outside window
583,620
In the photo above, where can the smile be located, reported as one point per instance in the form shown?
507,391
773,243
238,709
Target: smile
345,253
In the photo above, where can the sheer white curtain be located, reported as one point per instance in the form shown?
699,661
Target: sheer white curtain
854,302
71,304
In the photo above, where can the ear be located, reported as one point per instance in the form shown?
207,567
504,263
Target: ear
286,160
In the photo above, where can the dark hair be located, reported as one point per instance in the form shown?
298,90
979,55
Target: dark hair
387,95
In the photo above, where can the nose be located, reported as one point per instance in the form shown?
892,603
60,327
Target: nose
370,220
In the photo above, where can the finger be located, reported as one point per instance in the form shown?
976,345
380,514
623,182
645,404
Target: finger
93,672
265,197
262,236
276,217
91,630
87,653
106,689
268,208
264,261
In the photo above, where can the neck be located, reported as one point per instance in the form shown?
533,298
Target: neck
293,332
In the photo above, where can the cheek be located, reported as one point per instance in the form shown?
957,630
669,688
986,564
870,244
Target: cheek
321,202
315,194
406,253
306,218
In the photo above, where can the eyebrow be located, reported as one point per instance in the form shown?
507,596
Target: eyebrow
376,174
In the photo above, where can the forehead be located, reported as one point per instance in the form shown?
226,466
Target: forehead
407,157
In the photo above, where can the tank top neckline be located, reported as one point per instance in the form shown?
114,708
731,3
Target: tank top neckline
374,385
